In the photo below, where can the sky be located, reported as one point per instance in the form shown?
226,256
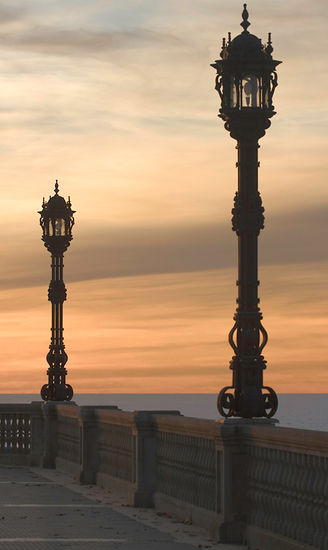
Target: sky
116,100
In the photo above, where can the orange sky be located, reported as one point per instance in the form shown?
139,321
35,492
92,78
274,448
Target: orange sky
168,332
117,101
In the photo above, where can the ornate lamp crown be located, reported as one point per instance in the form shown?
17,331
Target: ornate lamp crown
56,220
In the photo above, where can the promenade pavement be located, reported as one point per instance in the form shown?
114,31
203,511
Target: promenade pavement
46,510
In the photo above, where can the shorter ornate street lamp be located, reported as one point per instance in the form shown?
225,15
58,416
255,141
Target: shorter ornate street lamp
246,80
57,221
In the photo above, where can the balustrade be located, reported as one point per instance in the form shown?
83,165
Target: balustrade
261,484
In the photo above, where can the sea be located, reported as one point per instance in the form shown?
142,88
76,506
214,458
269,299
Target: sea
303,411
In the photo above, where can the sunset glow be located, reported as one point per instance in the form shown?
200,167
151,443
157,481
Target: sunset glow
117,101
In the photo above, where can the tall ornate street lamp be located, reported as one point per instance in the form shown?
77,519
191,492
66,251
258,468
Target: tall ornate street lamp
57,221
246,80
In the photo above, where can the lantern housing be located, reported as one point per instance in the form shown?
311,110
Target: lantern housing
56,220
246,79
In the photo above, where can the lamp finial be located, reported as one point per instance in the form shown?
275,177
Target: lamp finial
245,23
269,48
56,187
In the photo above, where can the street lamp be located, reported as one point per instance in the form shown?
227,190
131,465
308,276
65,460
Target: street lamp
57,221
246,80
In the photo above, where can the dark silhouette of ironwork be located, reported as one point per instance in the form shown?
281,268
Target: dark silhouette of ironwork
57,221
246,80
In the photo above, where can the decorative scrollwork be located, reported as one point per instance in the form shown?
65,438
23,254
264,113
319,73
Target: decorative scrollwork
227,126
56,392
270,401
57,292
226,402
274,84
45,392
264,337
248,219
69,392
57,357
254,367
231,336
219,87
236,214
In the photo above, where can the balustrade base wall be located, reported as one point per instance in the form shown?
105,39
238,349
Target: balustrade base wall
260,538
16,460
68,467
244,482
189,513
122,488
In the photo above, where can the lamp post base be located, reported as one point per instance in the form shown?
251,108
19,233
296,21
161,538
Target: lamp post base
249,403
56,392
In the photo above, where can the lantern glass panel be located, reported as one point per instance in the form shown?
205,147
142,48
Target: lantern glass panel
265,93
59,227
233,92
250,91
266,97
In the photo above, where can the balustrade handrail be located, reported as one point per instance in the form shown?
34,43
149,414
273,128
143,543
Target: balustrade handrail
15,408
296,440
187,425
109,416
68,411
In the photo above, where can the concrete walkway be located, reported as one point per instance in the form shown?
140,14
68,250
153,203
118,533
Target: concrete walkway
45,510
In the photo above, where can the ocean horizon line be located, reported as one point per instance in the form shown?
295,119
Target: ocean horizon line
307,411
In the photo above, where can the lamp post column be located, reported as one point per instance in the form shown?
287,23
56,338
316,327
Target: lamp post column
247,337
57,357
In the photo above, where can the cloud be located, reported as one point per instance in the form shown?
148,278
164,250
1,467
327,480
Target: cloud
85,43
111,252
101,252
146,372
9,14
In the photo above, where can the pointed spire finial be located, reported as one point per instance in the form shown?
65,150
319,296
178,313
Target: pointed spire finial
245,23
229,38
56,187
269,48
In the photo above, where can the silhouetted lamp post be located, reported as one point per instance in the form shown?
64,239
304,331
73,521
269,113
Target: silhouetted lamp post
246,81
57,221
